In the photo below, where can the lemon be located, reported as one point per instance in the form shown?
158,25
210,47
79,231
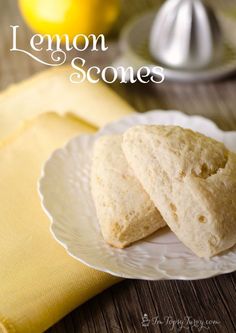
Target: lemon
70,17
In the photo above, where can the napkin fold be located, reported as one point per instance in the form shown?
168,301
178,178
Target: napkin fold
39,282
51,90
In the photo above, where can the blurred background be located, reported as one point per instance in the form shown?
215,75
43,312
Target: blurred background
15,66
85,13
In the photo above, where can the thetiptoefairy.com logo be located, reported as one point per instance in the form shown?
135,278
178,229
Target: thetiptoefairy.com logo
59,45
177,325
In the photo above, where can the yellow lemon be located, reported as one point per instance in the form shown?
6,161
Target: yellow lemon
70,16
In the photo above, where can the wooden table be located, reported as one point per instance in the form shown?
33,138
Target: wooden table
120,308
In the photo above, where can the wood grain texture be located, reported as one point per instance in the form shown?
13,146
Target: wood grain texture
120,308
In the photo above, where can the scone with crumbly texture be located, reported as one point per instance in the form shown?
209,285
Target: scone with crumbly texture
125,211
192,181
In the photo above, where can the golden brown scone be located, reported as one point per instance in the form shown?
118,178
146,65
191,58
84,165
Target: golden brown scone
192,181
125,211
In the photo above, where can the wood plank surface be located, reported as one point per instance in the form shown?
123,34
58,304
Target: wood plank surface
120,308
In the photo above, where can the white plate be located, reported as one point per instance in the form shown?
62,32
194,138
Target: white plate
64,189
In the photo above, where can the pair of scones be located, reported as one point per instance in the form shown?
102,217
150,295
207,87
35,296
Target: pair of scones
155,175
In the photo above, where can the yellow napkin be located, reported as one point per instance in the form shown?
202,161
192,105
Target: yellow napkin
52,90
39,282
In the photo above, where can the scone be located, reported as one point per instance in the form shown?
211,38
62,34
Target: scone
192,181
125,211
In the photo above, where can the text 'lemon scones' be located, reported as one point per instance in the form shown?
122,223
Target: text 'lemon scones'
192,181
125,211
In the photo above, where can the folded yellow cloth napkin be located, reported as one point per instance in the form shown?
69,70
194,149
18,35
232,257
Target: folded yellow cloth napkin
52,90
39,281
